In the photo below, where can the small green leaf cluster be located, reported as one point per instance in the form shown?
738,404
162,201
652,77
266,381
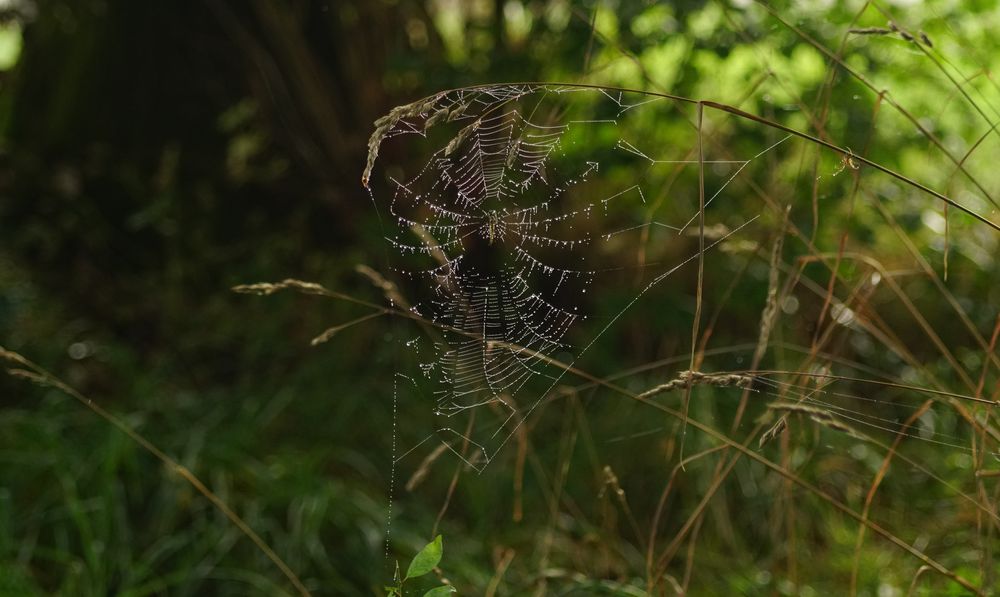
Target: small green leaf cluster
425,561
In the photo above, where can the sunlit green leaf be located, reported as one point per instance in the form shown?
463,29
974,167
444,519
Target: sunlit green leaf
426,559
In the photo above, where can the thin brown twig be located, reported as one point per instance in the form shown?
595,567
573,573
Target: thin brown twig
876,483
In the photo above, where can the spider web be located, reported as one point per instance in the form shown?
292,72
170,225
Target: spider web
508,224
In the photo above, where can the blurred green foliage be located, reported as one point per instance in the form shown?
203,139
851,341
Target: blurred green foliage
153,155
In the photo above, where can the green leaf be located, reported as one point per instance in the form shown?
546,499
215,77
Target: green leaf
426,559
440,591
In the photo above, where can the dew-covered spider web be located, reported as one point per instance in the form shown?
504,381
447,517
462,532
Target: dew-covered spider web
512,220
